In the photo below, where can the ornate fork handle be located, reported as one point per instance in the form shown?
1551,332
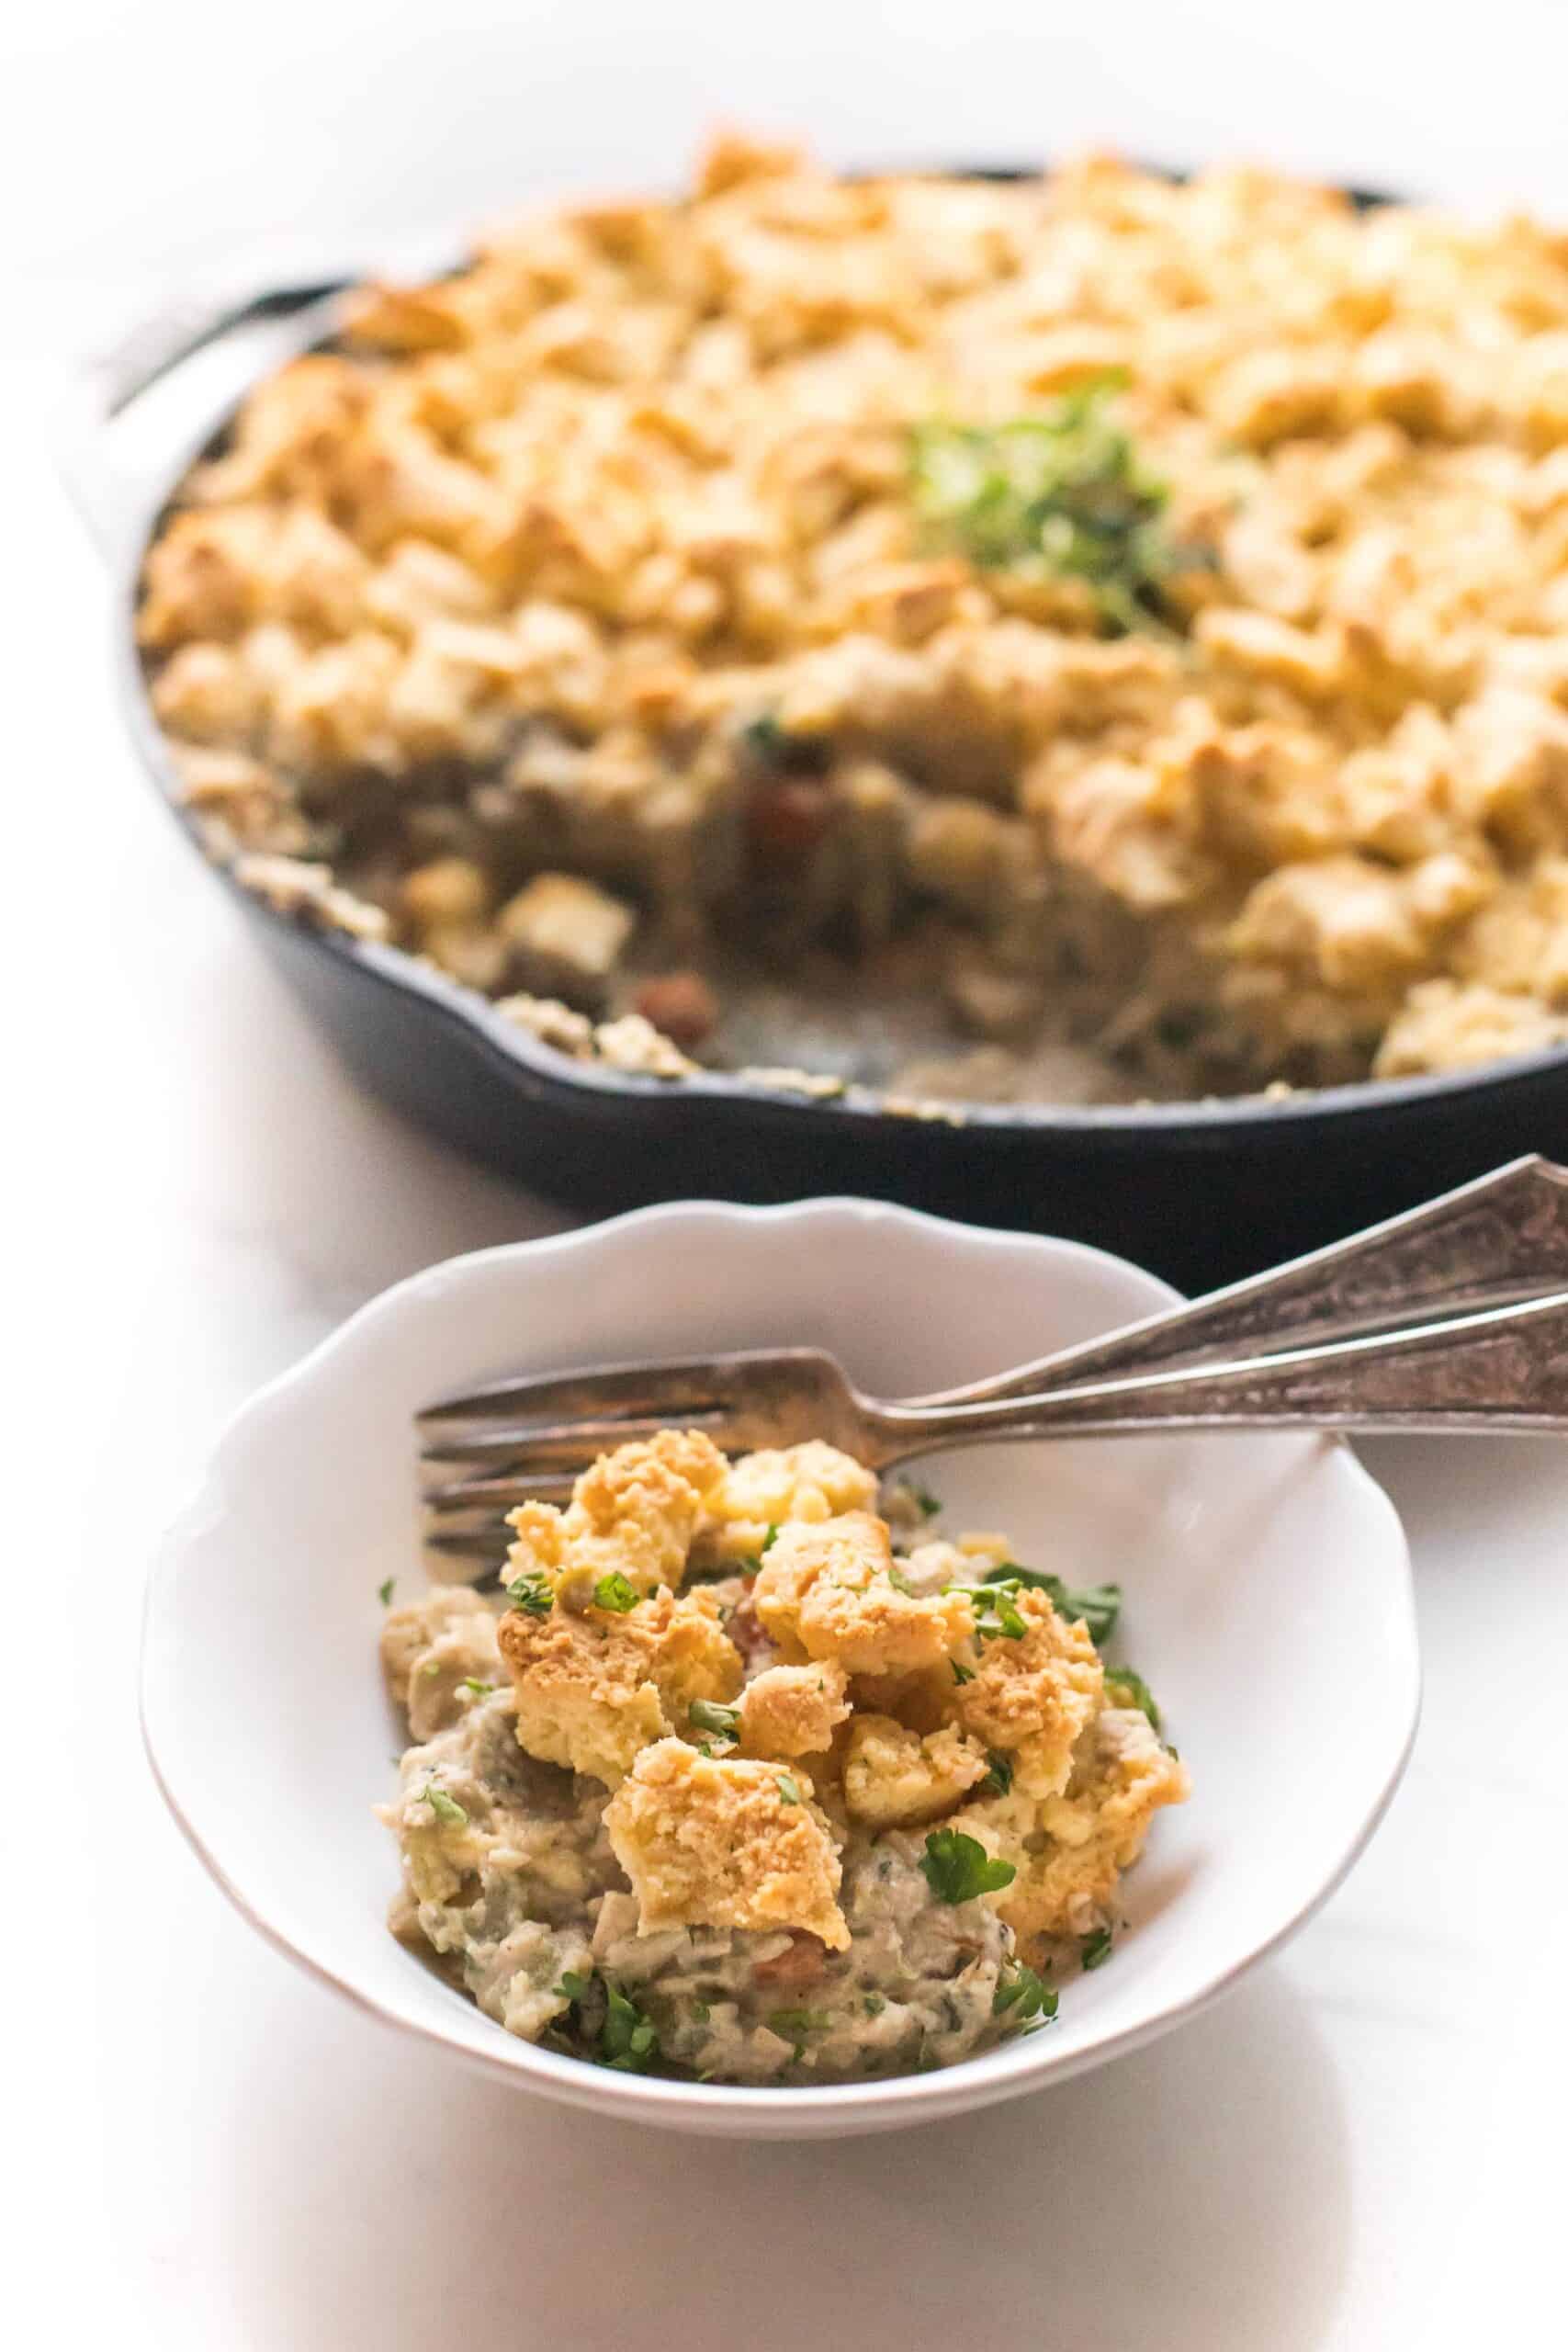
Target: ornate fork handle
1500,1240
1505,1368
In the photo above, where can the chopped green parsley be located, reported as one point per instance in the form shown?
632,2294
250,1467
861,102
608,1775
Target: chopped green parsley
765,739
962,1673
1098,1604
996,1612
708,1715
958,1868
447,1811
999,1779
793,2023
533,1594
615,1592
475,1689
789,1788
1121,1679
627,2040
1095,1950
1060,495
1030,1999
384,1591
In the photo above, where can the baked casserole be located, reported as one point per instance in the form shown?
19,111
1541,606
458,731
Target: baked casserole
1070,639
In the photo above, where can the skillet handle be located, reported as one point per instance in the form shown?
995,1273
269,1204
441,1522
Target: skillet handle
137,407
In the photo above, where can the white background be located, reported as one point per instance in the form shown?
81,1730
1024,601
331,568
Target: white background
1362,2148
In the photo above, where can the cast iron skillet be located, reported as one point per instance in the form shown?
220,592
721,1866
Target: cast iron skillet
1202,1191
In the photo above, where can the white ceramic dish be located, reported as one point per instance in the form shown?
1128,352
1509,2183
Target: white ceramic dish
1268,1600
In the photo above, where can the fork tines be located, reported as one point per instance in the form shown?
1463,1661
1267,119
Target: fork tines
525,1440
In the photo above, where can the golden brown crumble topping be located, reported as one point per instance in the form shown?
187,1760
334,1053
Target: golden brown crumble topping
581,625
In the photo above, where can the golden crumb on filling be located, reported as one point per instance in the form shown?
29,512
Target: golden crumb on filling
831,1590
892,1775
1033,1697
725,1843
594,1689
1070,1852
794,1710
634,1515
764,1491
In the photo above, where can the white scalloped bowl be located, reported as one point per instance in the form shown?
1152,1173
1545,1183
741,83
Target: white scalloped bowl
1267,1589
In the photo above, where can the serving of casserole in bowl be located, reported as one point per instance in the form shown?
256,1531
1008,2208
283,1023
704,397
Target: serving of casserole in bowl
909,1874
998,688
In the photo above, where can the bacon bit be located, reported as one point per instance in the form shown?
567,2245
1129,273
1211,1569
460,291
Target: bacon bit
787,819
682,1005
793,1970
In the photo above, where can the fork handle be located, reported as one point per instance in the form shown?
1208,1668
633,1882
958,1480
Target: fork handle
1505,1368
1501,1239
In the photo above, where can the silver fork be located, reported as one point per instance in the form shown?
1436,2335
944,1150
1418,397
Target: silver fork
1451,1317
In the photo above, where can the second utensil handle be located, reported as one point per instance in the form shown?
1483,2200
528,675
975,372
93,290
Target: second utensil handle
1502,1369
1498,1240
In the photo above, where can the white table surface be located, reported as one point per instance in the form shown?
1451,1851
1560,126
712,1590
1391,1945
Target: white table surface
1363,2146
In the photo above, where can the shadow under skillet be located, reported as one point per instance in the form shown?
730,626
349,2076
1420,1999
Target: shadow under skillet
1194,2194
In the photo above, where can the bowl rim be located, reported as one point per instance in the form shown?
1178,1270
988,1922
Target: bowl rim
658,2100
1208,1120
